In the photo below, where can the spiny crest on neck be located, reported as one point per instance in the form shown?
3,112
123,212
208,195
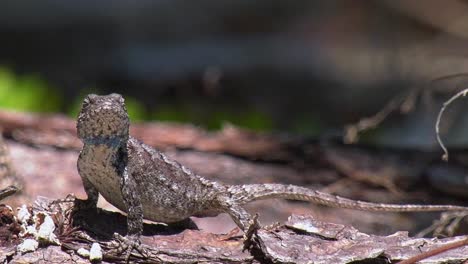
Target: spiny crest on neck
103,120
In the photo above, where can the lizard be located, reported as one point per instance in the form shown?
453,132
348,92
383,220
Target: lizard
146,184
9,180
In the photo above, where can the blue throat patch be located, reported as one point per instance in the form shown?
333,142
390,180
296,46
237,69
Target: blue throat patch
100,140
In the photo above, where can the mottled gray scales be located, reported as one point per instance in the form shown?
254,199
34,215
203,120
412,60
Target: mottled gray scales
142,181
8,176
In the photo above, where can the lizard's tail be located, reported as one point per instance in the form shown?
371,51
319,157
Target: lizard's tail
251,192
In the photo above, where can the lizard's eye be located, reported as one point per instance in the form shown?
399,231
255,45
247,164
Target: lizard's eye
117,97
91,98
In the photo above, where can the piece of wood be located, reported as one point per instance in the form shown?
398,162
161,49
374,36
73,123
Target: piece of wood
302,239
44,149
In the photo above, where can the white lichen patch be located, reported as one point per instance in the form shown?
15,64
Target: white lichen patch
46,231
306,226
42,227
83,252
28,245
23,214
95,254
29,230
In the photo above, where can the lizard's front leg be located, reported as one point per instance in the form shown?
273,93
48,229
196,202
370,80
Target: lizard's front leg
91,192
132,201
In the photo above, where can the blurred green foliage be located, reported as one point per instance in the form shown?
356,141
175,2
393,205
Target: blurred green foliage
212,117
135,109
172,113
27,93
250,119
32,93
75,107
307,125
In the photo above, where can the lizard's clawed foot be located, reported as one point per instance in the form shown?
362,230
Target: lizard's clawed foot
272,226
129,243
71,198
254,225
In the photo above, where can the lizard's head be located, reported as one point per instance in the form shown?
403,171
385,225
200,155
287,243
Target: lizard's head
103,119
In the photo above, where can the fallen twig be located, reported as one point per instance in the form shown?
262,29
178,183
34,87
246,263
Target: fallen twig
435,251
8,191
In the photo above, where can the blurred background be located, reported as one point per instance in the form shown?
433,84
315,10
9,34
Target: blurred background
302,71
306,67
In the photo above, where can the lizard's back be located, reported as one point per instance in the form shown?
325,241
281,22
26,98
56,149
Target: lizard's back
169,192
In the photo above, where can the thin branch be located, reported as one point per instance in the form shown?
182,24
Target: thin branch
435,251
405,102
439,117
352,131
8,191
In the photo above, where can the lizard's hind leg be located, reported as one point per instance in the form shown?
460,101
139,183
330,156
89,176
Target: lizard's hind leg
239,215
244,221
